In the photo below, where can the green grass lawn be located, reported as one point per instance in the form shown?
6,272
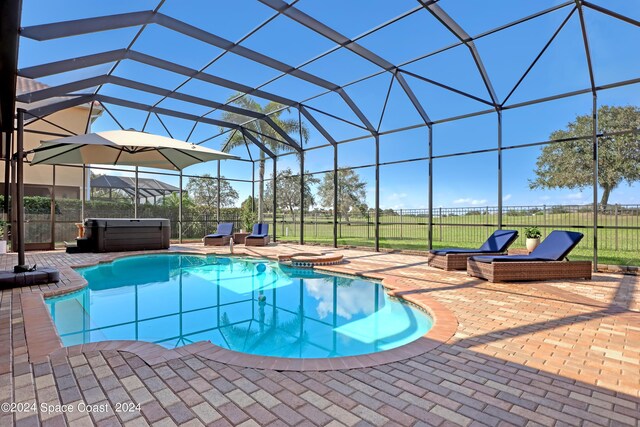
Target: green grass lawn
605,256
618,247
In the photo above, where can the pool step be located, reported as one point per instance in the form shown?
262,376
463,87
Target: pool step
81,245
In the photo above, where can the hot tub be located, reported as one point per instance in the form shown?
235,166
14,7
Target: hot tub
126,234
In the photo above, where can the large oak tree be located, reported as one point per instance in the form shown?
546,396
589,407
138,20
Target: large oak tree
288,191
352,192
203,191
568,164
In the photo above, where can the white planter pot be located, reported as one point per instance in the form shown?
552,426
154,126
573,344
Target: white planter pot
532,244
3,246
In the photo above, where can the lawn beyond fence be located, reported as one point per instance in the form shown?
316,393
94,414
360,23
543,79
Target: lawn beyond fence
618,228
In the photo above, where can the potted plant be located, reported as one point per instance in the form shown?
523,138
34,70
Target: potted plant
3,236
533,237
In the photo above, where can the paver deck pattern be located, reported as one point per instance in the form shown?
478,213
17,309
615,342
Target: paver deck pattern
540,353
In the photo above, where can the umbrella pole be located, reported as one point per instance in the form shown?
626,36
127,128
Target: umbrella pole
22,274
135,196
83,195
180,211
20,192
7,174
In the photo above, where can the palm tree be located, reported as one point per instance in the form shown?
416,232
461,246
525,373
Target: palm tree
262,131
172,201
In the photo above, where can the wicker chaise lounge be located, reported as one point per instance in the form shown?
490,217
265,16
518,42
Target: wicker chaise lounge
222,235
547,262
456,259
259,235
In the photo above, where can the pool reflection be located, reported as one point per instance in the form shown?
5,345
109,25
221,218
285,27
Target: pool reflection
244,305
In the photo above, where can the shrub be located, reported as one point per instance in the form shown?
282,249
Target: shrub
532,233
247,216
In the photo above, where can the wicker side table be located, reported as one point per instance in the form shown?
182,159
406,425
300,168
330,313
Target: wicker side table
239,238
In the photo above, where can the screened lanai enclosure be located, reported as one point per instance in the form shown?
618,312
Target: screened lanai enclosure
385,124
109,187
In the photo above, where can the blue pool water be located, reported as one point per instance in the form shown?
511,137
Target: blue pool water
252,306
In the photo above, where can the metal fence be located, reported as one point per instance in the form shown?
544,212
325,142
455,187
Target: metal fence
618,225
61,226
194,226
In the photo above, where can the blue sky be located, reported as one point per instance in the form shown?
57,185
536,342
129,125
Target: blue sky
458,181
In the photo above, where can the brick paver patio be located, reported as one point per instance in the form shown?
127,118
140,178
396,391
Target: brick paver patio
555,353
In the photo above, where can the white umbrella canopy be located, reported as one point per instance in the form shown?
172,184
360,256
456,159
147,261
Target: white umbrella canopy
125,147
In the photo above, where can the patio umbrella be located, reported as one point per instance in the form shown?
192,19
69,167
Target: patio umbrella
117,147
125,148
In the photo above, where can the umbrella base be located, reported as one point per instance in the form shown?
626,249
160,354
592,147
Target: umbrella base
41,276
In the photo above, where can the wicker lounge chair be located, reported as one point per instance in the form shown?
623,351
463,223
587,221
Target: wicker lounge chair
547,262
259,235
456,259
221,236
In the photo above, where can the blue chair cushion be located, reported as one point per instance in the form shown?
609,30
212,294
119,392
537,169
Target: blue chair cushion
224,229
505,258
450,251
557,245
499,241
259,231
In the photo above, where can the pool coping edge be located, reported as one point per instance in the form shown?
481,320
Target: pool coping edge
43,341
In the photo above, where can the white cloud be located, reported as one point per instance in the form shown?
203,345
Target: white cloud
396,196
395,201
506,197
398,206
574,196
470,201
354,299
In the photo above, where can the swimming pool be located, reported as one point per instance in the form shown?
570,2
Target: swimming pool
247,305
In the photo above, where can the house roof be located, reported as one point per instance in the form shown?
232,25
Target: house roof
26,86
147,187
